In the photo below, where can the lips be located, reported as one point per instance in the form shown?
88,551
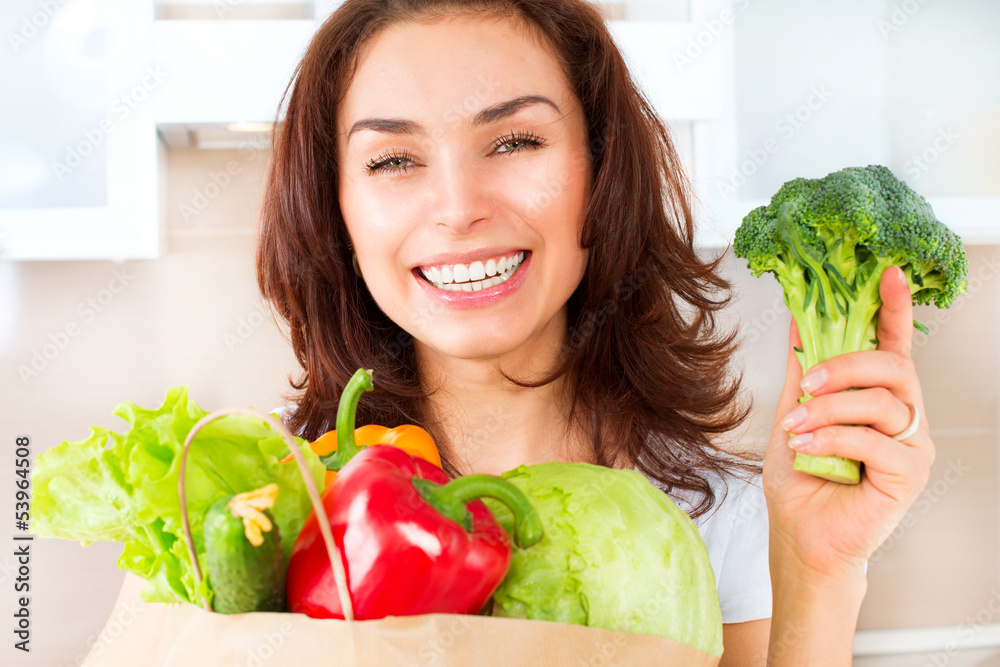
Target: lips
475,294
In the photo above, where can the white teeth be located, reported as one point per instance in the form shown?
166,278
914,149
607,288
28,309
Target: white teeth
477,271
474,277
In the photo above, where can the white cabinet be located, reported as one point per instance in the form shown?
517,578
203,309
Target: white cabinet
78,146
755,93
822,86
226,71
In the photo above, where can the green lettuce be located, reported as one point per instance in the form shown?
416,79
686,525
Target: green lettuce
617,554
122,487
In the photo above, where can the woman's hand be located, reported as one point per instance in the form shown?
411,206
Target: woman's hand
822,533
834,527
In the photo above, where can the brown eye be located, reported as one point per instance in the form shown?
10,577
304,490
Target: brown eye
524,139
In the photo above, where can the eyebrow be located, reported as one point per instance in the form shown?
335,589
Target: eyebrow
490,114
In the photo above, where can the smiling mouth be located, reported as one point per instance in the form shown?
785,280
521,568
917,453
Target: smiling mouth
475,276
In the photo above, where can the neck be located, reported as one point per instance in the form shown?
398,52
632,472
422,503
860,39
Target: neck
487,424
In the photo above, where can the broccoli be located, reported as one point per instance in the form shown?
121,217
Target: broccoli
827,242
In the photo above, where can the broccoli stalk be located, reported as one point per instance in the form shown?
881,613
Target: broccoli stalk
827,241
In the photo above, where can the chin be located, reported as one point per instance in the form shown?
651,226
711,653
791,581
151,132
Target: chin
473,347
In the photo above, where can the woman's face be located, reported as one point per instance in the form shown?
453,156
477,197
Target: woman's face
464,179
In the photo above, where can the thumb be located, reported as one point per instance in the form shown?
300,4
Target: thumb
789,398
792,390
895,317
778,458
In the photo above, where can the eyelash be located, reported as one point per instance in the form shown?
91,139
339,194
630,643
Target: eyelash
379,164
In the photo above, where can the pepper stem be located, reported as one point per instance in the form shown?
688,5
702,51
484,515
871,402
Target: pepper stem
347,409
450,500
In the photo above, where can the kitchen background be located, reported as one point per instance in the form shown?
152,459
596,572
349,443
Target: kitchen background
131,271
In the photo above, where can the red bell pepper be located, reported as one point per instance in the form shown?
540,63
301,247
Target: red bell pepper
412,542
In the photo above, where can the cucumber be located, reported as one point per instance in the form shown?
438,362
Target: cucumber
244,577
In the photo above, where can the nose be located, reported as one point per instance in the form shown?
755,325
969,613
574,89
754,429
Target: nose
460,195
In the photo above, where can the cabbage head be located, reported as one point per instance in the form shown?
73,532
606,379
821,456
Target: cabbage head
617,554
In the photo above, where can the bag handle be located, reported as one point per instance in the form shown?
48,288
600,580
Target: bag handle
339,570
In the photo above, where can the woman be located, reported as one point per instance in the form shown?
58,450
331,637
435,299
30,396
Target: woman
473,199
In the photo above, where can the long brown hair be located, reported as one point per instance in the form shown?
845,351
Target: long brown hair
647,365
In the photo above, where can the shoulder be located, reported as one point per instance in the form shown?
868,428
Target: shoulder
735,532
284,412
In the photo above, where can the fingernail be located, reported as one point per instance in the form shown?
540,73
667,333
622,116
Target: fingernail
801,442
900,274
814,380
794,418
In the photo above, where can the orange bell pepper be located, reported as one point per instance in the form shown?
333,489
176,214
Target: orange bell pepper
321,446
410,438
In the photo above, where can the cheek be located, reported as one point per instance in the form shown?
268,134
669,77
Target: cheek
545,190
572,210
560,206
379,234
374,224
558,189
351,208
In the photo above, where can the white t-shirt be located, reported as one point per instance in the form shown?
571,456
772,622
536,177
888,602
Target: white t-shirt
735,531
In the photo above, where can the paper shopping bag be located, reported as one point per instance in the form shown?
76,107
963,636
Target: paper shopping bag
184,635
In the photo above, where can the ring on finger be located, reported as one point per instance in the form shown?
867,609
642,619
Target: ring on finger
912,426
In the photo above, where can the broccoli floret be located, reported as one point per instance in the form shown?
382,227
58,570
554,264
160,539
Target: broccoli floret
827,242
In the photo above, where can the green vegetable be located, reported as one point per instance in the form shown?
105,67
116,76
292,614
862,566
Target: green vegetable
827,241
122,487
616,554
244,559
